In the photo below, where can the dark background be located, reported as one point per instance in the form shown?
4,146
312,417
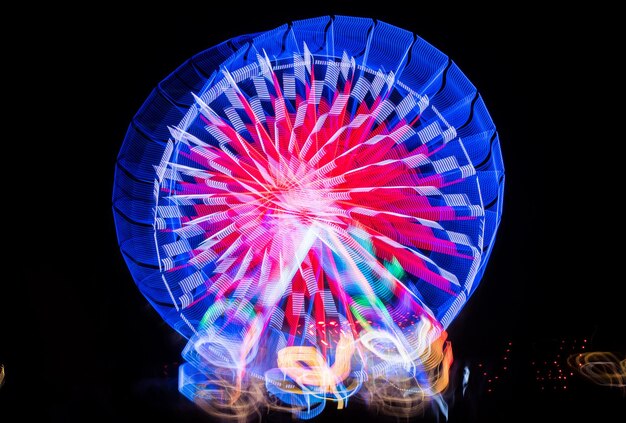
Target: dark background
80,343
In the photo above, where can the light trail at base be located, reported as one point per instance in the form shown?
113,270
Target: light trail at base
381,372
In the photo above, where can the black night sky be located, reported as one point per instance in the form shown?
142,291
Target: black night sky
79,342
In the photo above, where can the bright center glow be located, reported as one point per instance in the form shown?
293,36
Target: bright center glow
299,199
306,203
